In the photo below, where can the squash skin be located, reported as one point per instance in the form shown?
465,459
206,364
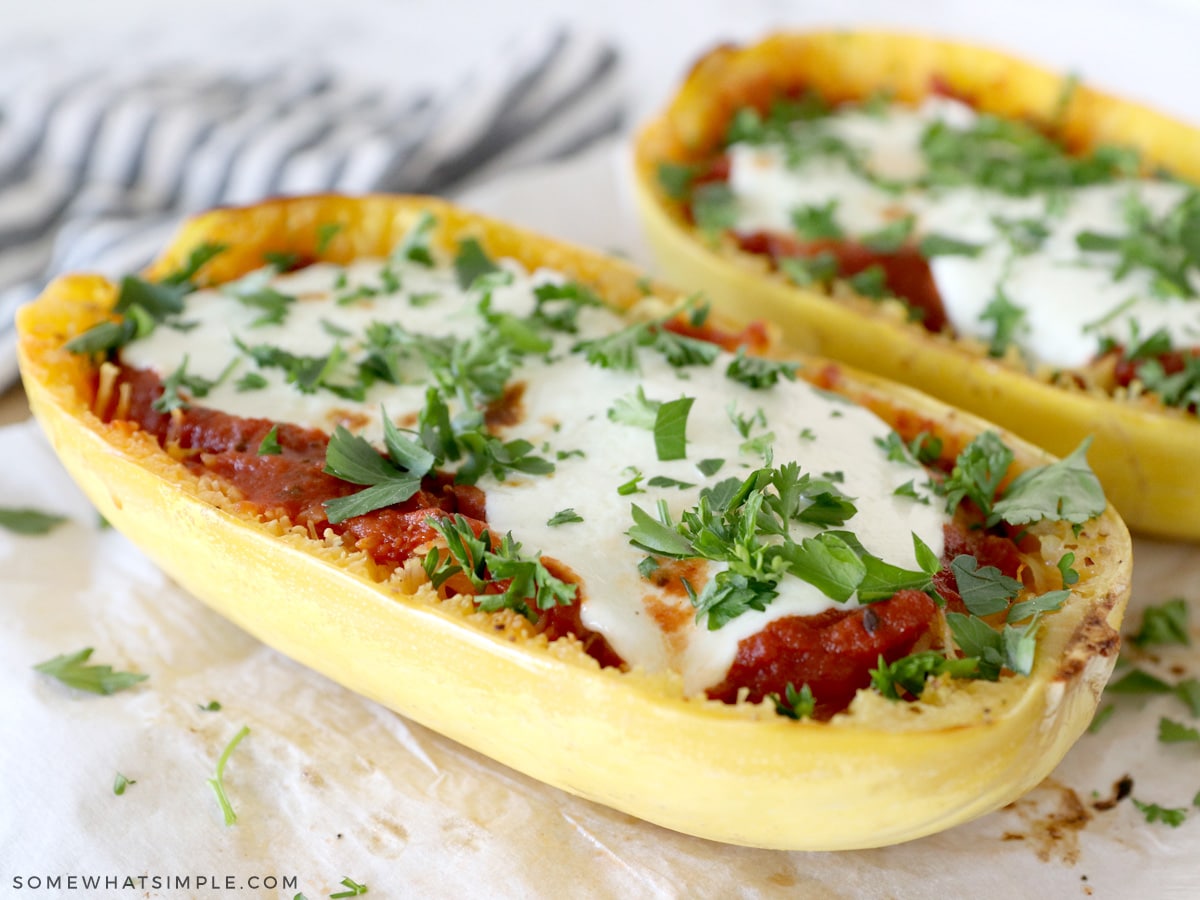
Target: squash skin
1144,456
883,773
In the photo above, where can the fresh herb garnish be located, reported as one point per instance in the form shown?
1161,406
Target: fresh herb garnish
326,232
217,782
907,676
120,783
269,445
618,350
797,704
1172,732
817,221
473,556
670,428
354,889
25,520
1008,318
1155,813
710,467
758,373
564,517
1166,623
71,670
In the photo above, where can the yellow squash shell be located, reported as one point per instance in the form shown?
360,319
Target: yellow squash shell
1144,454
882,773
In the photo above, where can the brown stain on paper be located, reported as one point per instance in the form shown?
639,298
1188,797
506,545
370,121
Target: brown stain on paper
1053,816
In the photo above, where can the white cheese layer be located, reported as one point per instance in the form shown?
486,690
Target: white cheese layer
565,407
1070,299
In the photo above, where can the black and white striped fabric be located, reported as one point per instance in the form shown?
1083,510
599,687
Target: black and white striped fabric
97,168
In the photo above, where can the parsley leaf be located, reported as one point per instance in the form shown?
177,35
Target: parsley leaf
799,704
817,221
910,673
1164,624
217,782
25,520
710,467
354,889
71,670
1172,732
120,783
1008,319
1155,813
985,590
758,373
269,446
415,246
351,458
1066,490
891,237
564,517
714,207
933,245
636,410
529,581
472,263
670,428
978,471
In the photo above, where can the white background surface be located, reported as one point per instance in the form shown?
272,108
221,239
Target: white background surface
329,785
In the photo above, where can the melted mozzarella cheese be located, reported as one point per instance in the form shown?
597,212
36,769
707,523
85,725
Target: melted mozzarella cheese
1070,299
565,406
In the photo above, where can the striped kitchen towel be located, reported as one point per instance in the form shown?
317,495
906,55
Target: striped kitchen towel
97,168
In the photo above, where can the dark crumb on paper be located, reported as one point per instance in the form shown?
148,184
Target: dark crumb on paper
1121,789
1053,816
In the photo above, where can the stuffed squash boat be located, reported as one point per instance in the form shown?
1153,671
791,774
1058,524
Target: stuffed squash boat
523,496
999,236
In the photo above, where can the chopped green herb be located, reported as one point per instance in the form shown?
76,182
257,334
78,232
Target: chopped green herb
910,673
1172,732
217,782
71,670
354,889
710,467
633,485
676,179
805,271
758,373
664,482
210,706
891,237
1164,624
870,282
1066,490
670,428
120,783
1069,575
473,556
25,520
415,246
472,263
798,704
564,517
1008,319
636,410
714,207
251,381
933,245
269,446
1137,681
326,232
985,590
817,221
1155,813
